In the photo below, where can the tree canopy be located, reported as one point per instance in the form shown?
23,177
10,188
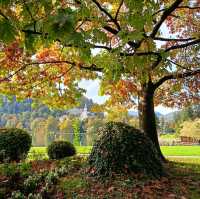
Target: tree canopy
47,47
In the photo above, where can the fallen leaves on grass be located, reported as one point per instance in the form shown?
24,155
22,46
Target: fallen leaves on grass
174,186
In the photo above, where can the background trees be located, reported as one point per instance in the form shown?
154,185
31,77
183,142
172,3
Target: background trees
191,129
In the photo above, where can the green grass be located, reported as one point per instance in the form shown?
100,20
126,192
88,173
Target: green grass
80,149
41,153
181,150
186,161
83,149
38,149
169,136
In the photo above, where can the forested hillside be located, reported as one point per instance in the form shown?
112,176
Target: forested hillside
42,122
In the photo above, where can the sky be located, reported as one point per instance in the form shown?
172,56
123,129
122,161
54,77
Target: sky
92,88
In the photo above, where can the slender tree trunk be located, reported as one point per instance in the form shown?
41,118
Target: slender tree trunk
147,115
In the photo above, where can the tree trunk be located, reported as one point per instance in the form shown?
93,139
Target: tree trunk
147,116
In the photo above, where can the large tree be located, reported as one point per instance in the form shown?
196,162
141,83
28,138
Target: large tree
147,52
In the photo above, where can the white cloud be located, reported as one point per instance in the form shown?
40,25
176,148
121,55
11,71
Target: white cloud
164,110
92,90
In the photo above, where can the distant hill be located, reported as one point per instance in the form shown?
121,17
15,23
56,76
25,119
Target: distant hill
135,114
170,116
12,106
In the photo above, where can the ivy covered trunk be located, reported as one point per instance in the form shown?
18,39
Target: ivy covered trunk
147,116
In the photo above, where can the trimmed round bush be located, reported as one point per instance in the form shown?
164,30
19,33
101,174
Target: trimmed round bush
60,149
14,144
122,149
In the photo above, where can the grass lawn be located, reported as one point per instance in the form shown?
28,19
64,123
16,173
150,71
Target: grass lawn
181,150
80,149
193,163
168,136
40,152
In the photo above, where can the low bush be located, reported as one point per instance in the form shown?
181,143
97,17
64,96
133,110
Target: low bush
121,149
14,144
60,149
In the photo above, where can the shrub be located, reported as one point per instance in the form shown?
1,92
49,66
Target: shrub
122,148
14,144
60,149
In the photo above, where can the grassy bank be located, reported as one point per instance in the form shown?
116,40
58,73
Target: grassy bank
181,150
40,152
167,150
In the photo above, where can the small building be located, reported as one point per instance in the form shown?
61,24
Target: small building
190,140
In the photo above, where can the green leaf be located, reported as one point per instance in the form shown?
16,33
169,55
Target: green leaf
7,31
29,42
137,21
5,2
60,26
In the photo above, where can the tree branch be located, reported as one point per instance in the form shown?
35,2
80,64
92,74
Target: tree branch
33,32
89,45
111,30
140,54
3,15
175,76
91,68
173,39
183,45
46,80
164,16
107,14
188,7
179,7
179,65
156,63
117,13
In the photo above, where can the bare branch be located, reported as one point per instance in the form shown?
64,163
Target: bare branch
89,45
179,7
189,7
34,63
3,15
46,80
164,16
91,68
111,30
176,76
107,14
183,45
140,54
33,32
180,66
117,13
157,62
173,39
